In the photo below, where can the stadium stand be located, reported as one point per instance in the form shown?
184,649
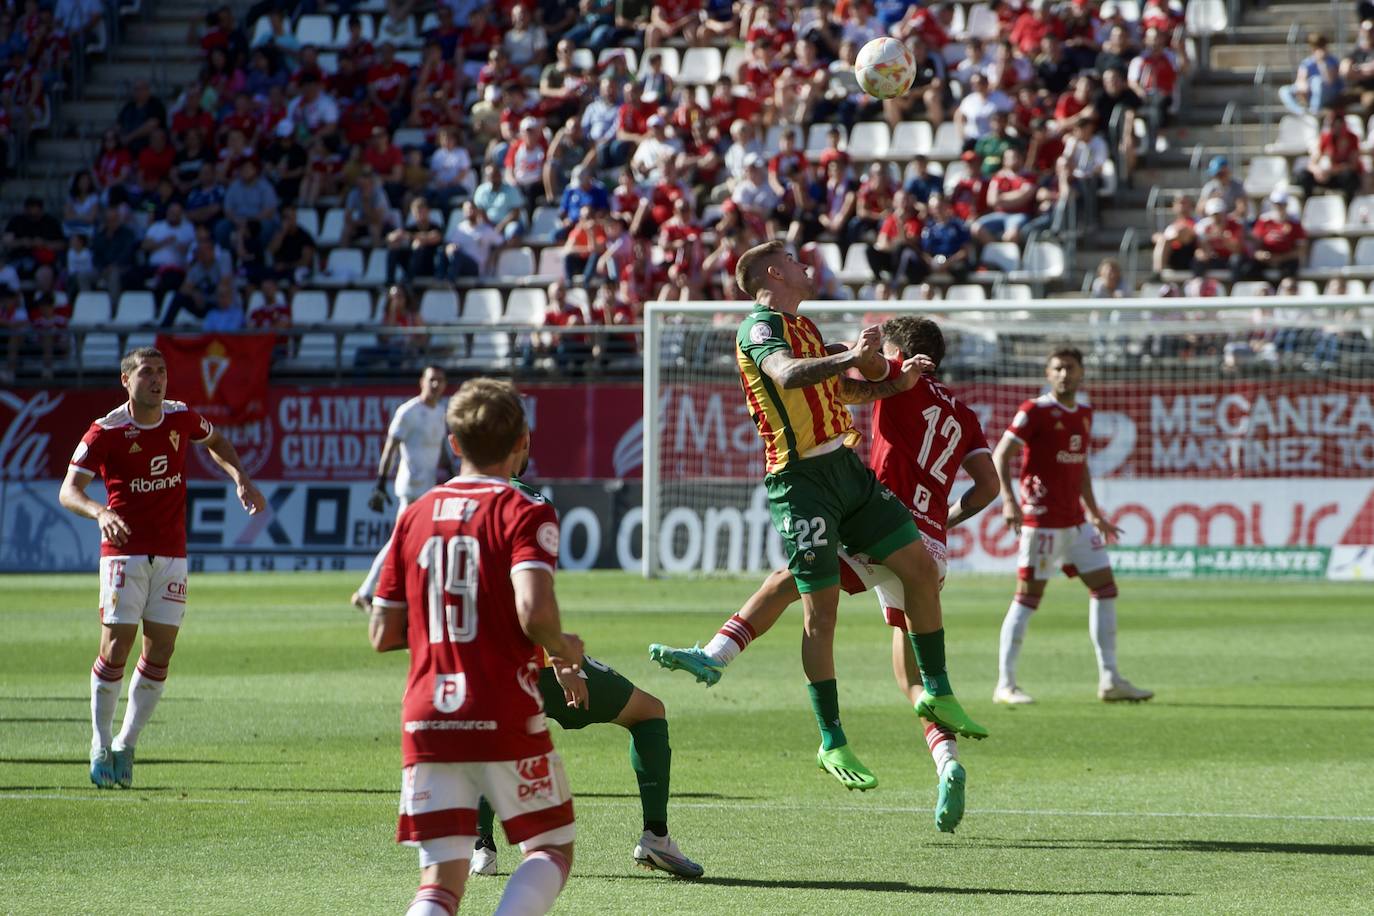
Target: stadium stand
690,154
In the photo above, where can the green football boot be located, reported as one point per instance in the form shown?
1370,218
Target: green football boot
694,661
841,763
945,710
949,808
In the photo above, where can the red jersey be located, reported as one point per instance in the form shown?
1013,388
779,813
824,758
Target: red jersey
473,691
143,469
1279,236
388,80
1056,440
921,438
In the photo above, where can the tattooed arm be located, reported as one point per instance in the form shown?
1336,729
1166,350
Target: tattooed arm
853,391
791,372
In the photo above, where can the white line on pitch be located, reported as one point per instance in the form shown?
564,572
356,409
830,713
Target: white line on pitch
344,796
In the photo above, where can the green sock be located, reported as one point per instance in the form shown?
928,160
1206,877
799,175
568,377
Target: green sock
825,702
652,760
930,655
486,818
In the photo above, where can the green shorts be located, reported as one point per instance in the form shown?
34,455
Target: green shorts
819,504
607,693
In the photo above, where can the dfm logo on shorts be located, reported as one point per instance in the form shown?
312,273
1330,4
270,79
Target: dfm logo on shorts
537,781
450,690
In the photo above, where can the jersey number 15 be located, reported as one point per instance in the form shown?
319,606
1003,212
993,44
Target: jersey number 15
950,429
452,567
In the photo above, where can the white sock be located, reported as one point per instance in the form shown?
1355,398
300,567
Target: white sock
1013,632
733,637
433,900
105,681
534,885
1102,628
145,689
944,750
369,586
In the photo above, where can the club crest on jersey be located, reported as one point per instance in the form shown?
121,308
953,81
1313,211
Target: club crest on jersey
176,439
760,332
548,537
450,690
809,557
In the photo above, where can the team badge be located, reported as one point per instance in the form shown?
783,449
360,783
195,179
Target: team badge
760,332
547,536
176,439
809,557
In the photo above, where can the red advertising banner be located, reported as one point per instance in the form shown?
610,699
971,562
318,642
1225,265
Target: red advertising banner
223,377
593,431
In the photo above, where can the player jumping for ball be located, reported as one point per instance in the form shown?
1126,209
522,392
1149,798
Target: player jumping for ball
139,450
468,588
821,496
1054,431
921,437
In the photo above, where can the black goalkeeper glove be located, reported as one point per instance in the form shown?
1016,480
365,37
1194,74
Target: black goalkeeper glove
378,500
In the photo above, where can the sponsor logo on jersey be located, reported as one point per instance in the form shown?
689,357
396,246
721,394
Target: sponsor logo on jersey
131,432
1067,457
450,690
450,725
537,782
144,485
135,449
158,466
1059,425
176,439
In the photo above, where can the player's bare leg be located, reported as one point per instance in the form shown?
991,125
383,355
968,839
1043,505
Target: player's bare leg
651,756
1014,625
943,743
107,674
920,578
145,690
760,612
537,881
441,889
1111,686
820,608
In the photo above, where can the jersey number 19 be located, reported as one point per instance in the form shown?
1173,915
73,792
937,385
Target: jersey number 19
950,428
452,567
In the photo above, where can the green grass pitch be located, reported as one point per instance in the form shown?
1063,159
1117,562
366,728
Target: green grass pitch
268,778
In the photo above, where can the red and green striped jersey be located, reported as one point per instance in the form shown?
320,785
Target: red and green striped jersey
791,422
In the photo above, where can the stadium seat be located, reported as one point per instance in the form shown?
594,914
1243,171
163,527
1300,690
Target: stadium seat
328,61
583,58
1295,135
1204,18
816,138
400,32
308,219
91,308
1308,289
954,52
955,172
856,268
1329,254
375,275
543,226
550,264
309,307
100,350
1016,292
410,57
1364,253
406,137
136,307
672,62
481,306
1356,288
1360,214
526,306
736,56
965,292
912,293
352,306
911,138
515,264
1252,288
1042,262
981,23
439,306
318,31
341,31
1130,10
772,139
1264,174
351,344
261,30
868,140
331,233
1003,256
958,22
830,256
344,266
1324,214
700,67
948,143
631,58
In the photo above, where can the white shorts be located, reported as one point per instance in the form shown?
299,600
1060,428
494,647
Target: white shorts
142,587
439,803
1075,550
860,574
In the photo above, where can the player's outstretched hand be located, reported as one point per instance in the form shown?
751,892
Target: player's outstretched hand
251,497
1011,514
915,367
1110,533
869,344
113,529
377,499
573,683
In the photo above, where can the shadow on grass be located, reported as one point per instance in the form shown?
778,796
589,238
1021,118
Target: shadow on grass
1241,846
85,699
676,795
44,720
898,887
151,761
1269,707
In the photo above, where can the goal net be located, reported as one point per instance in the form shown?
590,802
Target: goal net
1230,436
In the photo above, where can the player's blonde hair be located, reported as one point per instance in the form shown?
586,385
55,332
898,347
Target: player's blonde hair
753,264
487,418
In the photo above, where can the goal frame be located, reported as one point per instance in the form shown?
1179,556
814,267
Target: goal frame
1072,309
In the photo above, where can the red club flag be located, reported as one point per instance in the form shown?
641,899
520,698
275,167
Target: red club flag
222,376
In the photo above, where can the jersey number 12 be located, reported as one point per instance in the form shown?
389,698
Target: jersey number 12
452,567
950,429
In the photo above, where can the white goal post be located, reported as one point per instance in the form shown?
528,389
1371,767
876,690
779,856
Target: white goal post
1231,435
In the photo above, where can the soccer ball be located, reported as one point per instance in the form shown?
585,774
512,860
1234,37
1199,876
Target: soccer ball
884,68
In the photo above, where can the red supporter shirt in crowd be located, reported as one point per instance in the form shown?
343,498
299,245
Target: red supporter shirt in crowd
1056,440
889,227
927,25
1157,74
774,38
385,160
246,123
153,166
1007,183
1031,29
787,164
267,314
921,438
183,122
1068,106
1279,236
473,691
143,468
1340,145
389,80
479,41
673,10
759,78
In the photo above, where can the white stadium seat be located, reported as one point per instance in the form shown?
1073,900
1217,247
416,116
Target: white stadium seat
135,308
856,268
1324,214
700,67
344,266
869,140
309,307
1004,256
515,263
91,308
438,306
911,138
526,306
352,306
672,63
1329,254
316,30
1264,174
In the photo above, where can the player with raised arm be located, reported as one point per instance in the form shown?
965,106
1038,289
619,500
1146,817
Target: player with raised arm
920,437
139,450
468,587
608,697
1053,434
821,496
415,438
